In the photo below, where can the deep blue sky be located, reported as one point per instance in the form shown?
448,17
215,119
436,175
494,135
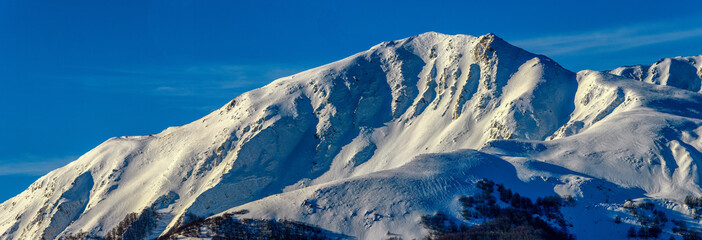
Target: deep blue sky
75,73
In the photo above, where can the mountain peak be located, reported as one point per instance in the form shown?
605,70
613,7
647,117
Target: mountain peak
390,126
443,35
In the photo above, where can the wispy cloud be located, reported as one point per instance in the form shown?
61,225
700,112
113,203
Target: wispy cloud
202,87
614,39
33,165
198,81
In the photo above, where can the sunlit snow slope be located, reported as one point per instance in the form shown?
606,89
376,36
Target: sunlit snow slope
366,145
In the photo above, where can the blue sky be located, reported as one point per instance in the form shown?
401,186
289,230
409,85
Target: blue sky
75,73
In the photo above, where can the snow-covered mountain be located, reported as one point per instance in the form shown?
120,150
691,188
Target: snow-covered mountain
365,146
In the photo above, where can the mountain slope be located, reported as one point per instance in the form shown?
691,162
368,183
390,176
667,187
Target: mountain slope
364,124
680,72
648,133
391,202
606,157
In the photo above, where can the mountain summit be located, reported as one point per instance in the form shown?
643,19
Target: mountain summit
367,145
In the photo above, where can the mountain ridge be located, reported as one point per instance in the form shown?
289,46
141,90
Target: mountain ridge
378,111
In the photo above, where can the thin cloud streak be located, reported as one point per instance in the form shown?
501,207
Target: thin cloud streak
612,39
200,81
33,166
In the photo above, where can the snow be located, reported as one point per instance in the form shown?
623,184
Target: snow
366,145
680,72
